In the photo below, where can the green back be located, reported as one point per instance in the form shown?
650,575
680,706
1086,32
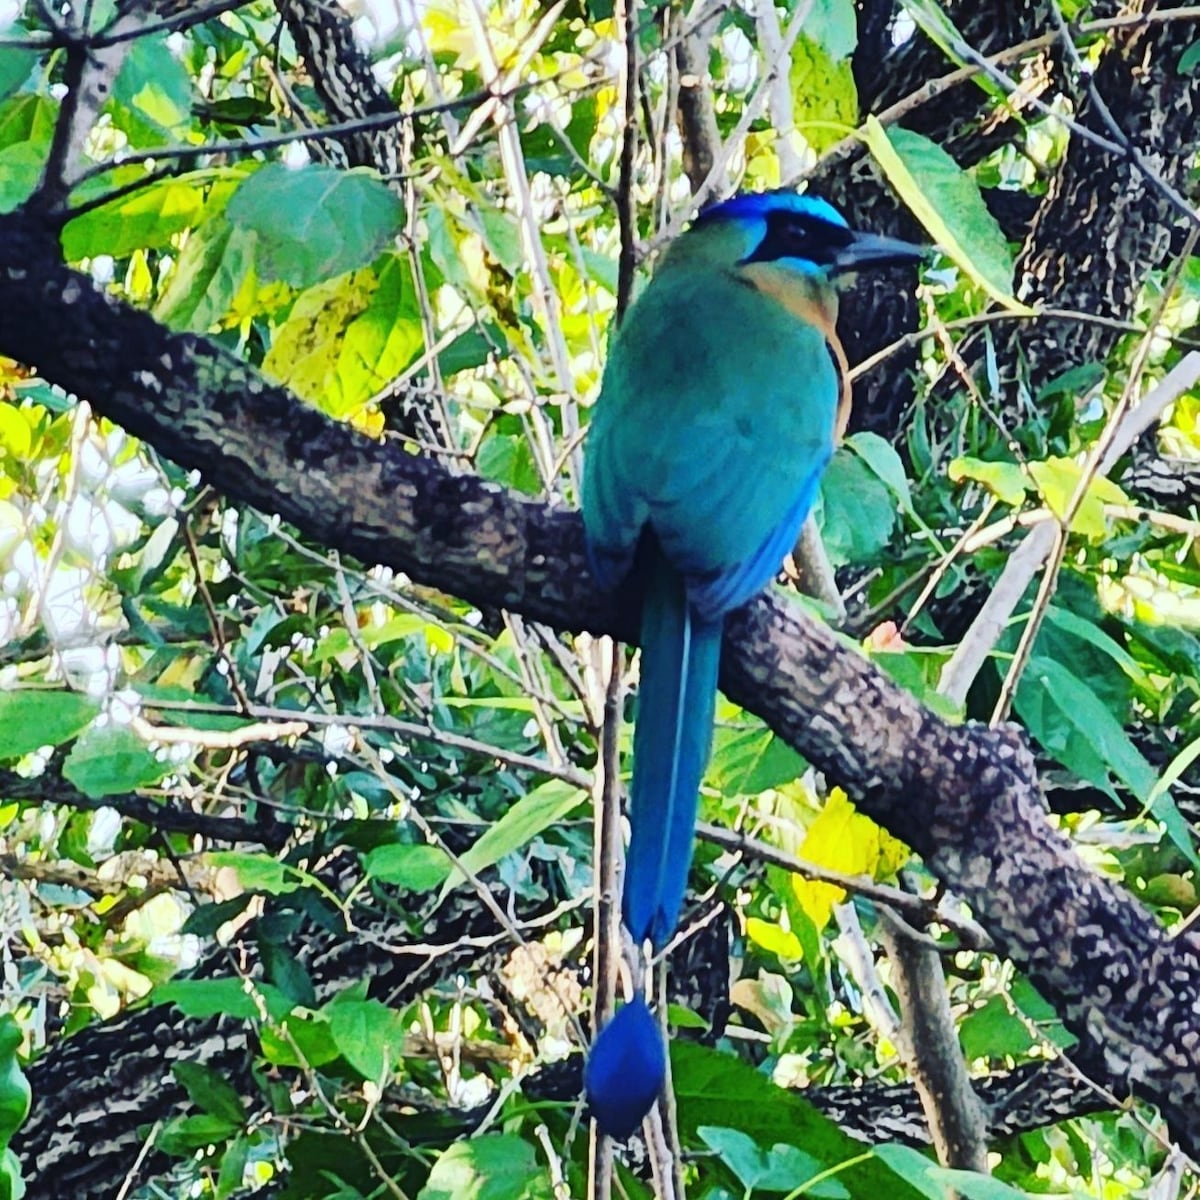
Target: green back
714,421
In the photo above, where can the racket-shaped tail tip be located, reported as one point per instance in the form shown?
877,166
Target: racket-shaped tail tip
625,1070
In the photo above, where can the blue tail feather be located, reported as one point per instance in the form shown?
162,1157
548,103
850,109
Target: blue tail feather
671,742
625,1070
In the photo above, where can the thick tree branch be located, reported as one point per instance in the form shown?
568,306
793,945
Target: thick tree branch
964,797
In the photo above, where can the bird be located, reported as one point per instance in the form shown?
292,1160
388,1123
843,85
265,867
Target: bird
722,397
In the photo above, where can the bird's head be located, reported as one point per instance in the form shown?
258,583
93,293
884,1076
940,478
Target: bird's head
794,248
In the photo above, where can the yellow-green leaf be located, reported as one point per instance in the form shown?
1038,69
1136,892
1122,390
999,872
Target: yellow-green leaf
779,941
824,95
1005,480
1057,479
842,839
304,355
16,438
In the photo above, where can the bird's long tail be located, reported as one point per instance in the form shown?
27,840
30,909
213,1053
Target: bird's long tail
671,742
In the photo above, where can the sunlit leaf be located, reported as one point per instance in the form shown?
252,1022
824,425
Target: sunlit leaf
774,938
843,840
215,261
26,129
149,217
824,94
1057,479
152,94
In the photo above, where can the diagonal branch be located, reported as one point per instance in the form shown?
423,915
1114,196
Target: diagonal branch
964,797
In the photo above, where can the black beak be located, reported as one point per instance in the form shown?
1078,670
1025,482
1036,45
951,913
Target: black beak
870,250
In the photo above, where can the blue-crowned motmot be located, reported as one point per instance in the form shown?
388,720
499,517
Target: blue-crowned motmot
718,411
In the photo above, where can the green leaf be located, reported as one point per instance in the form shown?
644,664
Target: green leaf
347,338
16,63
205,920
14,1087
169,696
783,943
708,1081
300,1039
834,24
493,1167
211,270
306,347
1075,381
31,719
740,1153
221,997
210,1091
1086,631
1065,717
532,814
12,1185
1068,719
26,129
502,235
336,221
112,759
417,868
1175,769
993,1031
858,511
1189,60
379,343
369,1035
260,872
149,217
1005,480
183,1136
936,1183
231,1179
885,462
783,1168
947,202
746,761
509,460
1035,1006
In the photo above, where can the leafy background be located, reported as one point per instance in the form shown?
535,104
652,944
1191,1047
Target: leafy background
230,755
